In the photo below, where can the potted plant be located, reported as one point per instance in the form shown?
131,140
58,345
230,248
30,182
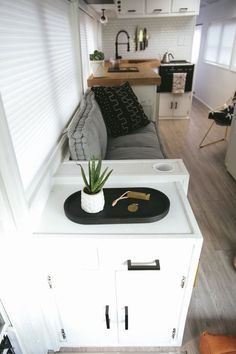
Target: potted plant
92,196
97,63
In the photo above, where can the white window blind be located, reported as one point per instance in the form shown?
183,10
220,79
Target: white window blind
213,41
38,80
89,31
221,44
226,44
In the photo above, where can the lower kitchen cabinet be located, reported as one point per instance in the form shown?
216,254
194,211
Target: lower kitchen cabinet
118,285
172,106
134,296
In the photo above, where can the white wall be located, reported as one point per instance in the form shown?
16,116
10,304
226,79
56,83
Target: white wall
174,34
214,85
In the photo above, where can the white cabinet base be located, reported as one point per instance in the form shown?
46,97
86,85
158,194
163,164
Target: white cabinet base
174,106
91,281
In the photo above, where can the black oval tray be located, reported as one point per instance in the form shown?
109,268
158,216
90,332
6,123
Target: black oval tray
148,210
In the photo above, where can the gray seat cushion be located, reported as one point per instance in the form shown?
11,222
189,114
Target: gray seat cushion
141,144
87,132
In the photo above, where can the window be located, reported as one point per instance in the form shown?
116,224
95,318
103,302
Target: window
89,39
221,43
196,43
38,80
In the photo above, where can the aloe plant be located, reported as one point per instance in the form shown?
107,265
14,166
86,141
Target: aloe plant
96,178
96,55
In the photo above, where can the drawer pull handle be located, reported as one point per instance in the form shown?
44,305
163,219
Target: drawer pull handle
182,9
157,10
131,10
107,317
144,266
126,318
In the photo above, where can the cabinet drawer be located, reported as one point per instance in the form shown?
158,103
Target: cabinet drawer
68,254
168,253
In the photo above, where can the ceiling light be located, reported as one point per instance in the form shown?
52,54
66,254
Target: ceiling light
103,18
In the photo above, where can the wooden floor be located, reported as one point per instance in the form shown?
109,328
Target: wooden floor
212,194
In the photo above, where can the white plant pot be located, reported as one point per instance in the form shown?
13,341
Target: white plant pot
92,203
97,67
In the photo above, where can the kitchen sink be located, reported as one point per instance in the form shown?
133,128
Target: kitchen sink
123,69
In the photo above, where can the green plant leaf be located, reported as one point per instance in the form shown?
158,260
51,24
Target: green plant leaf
98,170
105,179
89,170
102,179
92,175
84,177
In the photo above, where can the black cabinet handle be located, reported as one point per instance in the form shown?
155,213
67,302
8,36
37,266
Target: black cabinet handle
131,10
144,266
182,9
107,317
126,318
176,105
157,10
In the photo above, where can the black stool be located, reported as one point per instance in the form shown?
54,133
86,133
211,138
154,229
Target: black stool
221,117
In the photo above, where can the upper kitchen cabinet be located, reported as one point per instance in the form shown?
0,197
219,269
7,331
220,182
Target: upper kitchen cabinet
185,6
156,8
129,7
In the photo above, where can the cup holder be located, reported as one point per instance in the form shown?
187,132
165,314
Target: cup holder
163,167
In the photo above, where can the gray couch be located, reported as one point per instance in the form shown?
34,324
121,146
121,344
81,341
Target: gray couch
88,138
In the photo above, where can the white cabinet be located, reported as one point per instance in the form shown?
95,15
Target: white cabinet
156,7
147,97
130,7
185,6
172,106
98,293
133,298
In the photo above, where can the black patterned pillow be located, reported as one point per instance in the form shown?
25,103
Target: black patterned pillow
120,109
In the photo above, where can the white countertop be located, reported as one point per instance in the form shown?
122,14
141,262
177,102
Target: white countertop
179,221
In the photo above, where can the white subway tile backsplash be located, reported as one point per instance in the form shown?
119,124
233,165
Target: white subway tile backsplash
172,34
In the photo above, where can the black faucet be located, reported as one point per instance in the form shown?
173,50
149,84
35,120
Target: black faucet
117,43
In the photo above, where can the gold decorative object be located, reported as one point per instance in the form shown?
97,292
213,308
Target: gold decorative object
132,194
133,207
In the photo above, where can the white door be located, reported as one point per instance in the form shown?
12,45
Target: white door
166,105
87,308
157,6
181,105
150,302
185,6
130,7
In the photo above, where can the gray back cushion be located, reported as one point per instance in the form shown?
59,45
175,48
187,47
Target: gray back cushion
87,132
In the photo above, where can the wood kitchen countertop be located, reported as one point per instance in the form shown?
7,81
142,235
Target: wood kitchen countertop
145,76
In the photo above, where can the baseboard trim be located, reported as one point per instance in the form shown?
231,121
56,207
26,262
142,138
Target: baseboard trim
203,102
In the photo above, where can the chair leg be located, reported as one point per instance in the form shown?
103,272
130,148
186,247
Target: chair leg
201,145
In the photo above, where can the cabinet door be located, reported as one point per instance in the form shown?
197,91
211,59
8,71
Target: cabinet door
152,305
181,105
130,7
166,105
182,6
157,6
82,299
152,300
